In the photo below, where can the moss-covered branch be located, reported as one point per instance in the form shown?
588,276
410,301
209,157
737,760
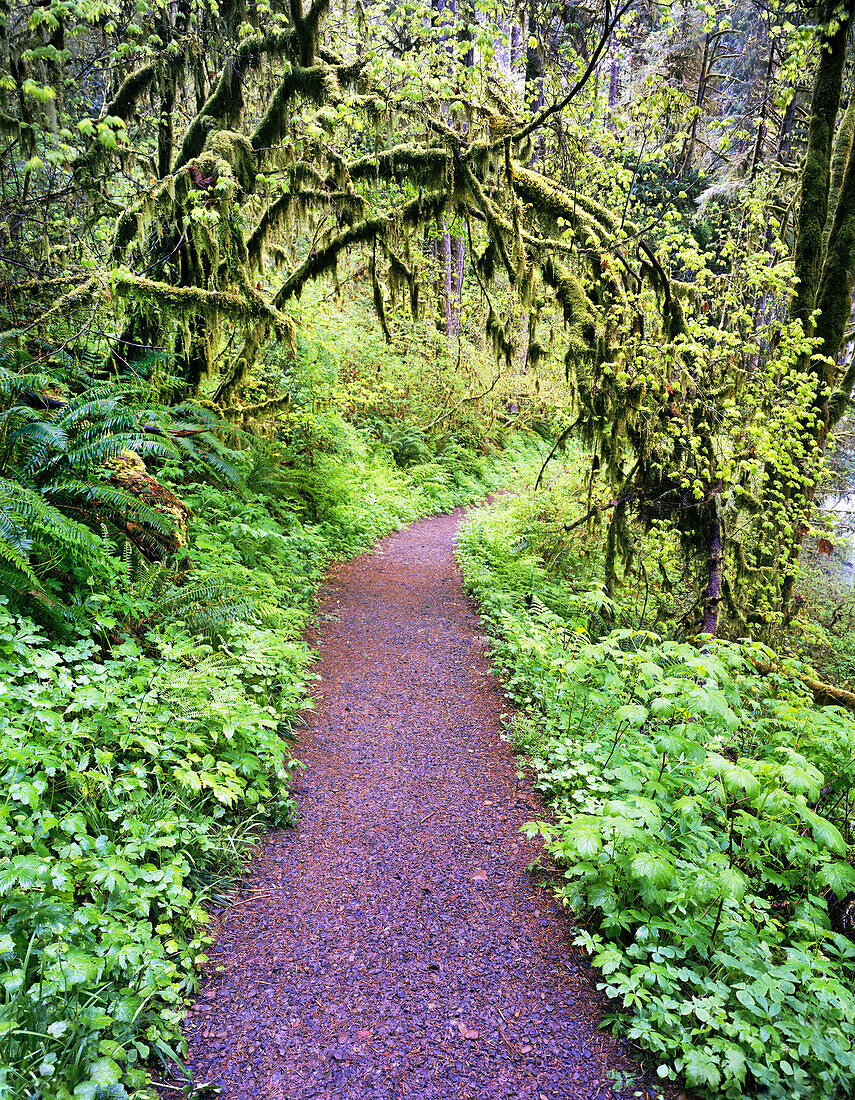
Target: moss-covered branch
185,300
225,103
279,213
318,84
408,214
311,25
574,302
419,165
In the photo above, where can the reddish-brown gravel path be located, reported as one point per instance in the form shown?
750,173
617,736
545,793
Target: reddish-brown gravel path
394,945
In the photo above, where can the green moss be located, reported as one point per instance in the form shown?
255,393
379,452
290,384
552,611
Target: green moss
225,103
816,172
419,166
317,84
575,304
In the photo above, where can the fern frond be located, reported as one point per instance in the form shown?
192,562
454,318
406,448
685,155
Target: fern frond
207,604
115,500
213,458
26,506
152,580
20,566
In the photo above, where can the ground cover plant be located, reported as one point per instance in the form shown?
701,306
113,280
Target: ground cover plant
148,700
276,277
702,820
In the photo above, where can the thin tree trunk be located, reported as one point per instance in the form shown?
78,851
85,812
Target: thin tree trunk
757,156
448,289
712,597
534,83
614,92
516,47
689,144
457,299
164,123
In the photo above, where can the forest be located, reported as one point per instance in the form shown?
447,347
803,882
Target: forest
278,278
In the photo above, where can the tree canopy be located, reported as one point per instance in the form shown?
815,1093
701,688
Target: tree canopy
657,198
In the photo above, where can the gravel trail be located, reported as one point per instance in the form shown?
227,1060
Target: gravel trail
394,944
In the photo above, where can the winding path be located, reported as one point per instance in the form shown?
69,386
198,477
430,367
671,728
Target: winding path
394,945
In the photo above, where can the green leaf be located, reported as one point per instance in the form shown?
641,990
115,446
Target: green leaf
839,877
828,835
633,713
653,868
74,968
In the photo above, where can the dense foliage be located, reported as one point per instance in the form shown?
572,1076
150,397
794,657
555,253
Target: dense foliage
276,277
614,190
146,743
702,815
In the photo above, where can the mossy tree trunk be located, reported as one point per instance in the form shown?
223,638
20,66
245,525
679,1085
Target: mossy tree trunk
824,267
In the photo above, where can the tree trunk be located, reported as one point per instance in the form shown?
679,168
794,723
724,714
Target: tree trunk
816,173
614,92
447,280
534,86
517,35
457,299
757,155
712,597
823,280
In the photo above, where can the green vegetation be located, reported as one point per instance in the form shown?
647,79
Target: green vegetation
278,277
145,720
702,816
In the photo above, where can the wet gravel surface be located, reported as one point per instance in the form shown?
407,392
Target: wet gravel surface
394,945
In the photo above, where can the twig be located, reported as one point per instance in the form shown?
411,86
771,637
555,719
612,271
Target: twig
422,820
506,1040
253,897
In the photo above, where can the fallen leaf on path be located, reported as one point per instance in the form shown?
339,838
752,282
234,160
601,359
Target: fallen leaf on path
480,876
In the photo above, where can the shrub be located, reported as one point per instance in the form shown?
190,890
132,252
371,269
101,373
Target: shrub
701,828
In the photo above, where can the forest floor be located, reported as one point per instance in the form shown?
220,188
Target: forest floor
394,944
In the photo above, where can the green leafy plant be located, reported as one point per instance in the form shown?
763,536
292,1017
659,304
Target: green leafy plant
702,824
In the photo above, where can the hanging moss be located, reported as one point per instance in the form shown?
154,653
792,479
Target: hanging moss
415,164
379,303
288,211
323,260
235,150
485,265
574,302
225,103
503,345
551,202
402,275
501,231
318,84
189,300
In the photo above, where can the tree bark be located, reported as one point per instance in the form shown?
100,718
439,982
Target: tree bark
817,272
816,173
712,597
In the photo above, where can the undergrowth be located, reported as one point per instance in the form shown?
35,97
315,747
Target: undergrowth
140,760
702,823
